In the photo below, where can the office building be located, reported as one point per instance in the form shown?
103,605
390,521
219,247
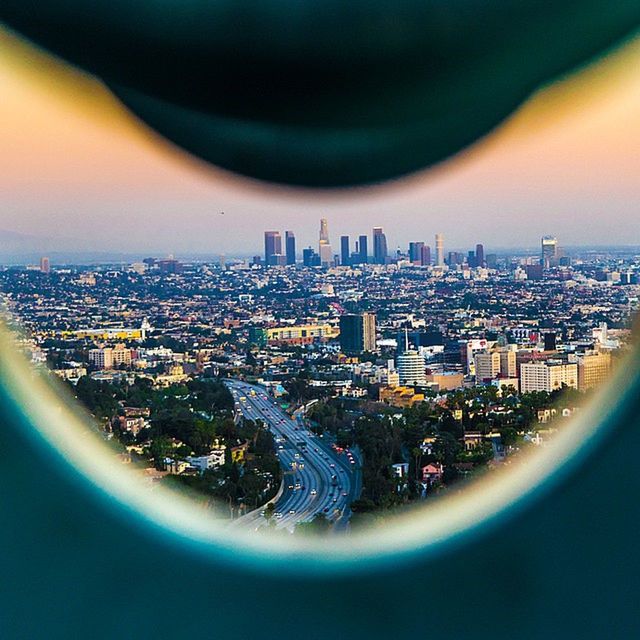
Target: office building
425,255
411,368
480,261
379,246
310,258
45,265
358,333
345,251
487,365
290,243
593,369
109,358
549,375
169,266
415,252
301,334
439,250
272,247
549,252
534,271
508,364
363,250
549,339
324,246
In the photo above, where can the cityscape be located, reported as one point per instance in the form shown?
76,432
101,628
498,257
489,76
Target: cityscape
322,390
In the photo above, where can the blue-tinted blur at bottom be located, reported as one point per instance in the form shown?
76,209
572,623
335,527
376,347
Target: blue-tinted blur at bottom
76,563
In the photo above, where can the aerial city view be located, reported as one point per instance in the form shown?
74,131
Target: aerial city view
322,389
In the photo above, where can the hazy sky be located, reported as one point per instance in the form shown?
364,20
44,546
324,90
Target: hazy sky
74,166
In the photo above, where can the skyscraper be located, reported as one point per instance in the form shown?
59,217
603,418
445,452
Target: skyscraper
379,246
363,249
549,251
425,255
439,250
310,258
324,246
272,247
358,333
290,242
324,230
45,265
480,261
345,255
415,252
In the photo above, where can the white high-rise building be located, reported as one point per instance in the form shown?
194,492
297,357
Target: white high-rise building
547,376
439,250
411,366
324,246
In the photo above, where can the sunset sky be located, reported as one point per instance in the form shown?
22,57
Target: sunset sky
75,167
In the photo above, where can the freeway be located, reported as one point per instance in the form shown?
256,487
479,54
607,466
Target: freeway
316,478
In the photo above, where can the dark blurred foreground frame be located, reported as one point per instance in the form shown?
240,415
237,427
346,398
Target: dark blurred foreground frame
324,93
258,89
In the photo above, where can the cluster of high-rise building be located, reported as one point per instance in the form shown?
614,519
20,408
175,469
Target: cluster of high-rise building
419,253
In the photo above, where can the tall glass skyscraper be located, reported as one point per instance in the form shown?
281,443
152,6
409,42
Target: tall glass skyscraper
290,242
272,247
379,246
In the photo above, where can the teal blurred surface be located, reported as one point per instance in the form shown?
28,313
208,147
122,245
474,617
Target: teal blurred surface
76,563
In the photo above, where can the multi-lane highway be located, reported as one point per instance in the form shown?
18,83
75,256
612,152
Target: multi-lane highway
316,478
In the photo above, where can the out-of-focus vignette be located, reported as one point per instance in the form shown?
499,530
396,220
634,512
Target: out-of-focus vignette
398,365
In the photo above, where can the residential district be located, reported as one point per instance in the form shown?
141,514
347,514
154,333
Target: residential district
323,394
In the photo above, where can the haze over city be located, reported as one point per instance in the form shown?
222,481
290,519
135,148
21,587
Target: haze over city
78,174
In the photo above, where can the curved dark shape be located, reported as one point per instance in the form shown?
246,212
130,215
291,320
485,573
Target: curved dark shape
324,93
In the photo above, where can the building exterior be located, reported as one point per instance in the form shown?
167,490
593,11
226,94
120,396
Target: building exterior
324,246
549,375
109,358
487,365
411,368
345,251
272,247
446,381
508,366
310,258
399,396
549,251
425,255
415,252
439,250
358,333
363,250
480,261
300,334
593,369
379,246
290,243
45,265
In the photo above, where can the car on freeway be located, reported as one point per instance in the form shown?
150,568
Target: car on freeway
313,492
